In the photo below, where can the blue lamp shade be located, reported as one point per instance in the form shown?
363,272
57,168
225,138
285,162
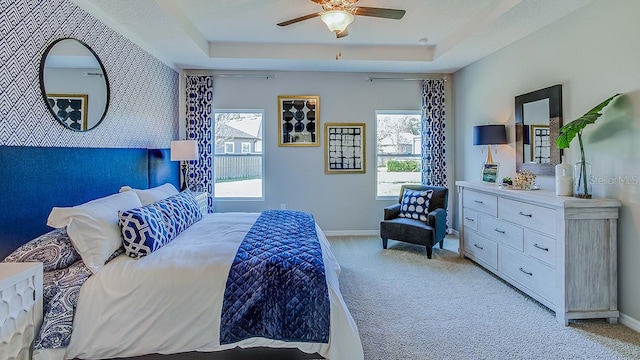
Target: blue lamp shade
489,135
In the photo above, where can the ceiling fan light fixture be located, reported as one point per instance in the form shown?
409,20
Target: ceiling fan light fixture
337,20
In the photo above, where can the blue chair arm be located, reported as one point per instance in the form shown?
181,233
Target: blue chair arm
437,219
391,212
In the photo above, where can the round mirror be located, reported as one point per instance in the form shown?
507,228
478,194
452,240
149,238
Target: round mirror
74,84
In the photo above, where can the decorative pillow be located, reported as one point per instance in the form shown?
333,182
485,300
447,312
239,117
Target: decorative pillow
179,212
415,204
53,249
93,226
143,231
149,196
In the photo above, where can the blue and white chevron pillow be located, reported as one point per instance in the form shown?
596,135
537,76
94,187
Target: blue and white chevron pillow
148,228
179,211
143,231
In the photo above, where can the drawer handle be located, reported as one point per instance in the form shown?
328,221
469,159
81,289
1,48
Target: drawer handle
523,214
540,247
478,246
478,201
498,230
528,273
470,219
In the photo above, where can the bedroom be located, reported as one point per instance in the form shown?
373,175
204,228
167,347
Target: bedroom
481,92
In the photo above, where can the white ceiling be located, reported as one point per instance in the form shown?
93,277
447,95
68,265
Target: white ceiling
242,35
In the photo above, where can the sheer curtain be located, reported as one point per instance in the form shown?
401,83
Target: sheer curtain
199,104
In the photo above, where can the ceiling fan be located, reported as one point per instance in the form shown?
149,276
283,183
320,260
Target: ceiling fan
338,14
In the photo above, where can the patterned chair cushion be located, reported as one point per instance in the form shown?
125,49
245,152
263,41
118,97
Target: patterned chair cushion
415,204
179,212
143,231
53,249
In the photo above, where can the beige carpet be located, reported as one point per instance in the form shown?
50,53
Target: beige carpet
409,307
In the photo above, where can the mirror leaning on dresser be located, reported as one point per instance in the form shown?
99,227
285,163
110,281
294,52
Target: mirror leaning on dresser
561,251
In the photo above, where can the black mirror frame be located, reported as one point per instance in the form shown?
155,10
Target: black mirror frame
554,94
44,92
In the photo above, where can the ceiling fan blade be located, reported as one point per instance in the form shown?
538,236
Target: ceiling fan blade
298,19
394,14
342,34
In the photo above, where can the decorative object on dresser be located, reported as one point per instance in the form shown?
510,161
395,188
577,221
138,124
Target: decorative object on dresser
524,180
184,150
568,133
21,308
564,179
419,217
344,148
561,251
298,120
538,118
489,135
490,172
74,84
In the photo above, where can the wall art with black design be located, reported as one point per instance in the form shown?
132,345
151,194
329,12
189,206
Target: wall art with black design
344,148
71,109
298,120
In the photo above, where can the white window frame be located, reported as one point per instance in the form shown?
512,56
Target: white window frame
233,147
248,147
375,120
262,153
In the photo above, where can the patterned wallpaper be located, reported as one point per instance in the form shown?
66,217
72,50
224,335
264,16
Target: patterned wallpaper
143,109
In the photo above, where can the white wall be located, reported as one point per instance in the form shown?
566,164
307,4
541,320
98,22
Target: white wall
295,175
594,54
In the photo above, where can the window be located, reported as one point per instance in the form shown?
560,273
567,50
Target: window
398,151
238,176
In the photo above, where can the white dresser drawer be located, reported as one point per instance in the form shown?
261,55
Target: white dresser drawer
501,231
531,216
481,249
540,247
529,272
482,202
470,219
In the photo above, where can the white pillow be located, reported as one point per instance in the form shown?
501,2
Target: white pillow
93,226
149,196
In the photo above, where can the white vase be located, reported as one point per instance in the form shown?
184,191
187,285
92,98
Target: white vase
564,179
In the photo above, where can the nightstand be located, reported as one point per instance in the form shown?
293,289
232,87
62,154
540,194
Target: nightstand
20,308
201,198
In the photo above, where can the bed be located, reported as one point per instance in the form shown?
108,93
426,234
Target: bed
171,301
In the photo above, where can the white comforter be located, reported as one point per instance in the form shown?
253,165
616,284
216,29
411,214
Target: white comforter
170,301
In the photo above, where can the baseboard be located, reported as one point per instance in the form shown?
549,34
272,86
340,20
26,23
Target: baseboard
352,233
453,232
629,322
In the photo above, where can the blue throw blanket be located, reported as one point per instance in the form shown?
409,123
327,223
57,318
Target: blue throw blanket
276,287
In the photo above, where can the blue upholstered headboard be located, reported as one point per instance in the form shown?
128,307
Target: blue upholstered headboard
35,179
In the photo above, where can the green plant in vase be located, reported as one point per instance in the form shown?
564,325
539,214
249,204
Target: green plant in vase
568,133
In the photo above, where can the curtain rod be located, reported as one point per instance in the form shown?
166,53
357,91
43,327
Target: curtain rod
403,79
260,76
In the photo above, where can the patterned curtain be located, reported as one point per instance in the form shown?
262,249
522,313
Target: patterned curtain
434,157
199,101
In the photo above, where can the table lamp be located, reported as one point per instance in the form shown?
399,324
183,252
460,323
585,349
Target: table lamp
184,150
489,135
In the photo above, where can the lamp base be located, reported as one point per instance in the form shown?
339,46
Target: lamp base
183,185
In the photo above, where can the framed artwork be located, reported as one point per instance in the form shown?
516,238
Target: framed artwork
344,148
71,109
298,120
490,172
540,139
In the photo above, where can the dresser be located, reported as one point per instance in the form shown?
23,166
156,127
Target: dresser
560,250
20,308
